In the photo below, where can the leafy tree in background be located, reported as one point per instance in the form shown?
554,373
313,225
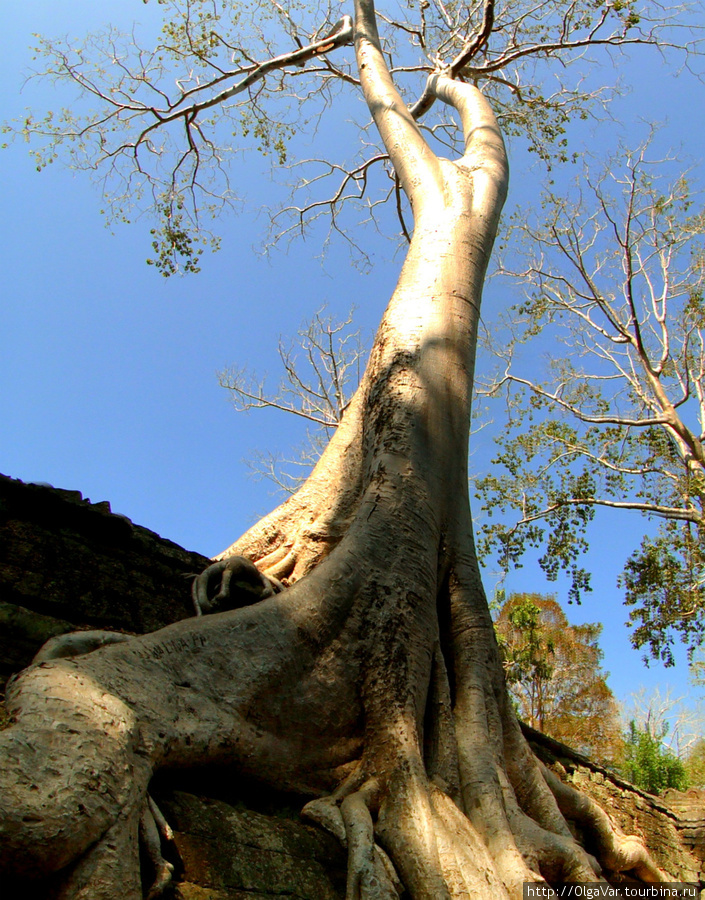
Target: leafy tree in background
650,765
694,764
528,650
373,683
554,674
613,276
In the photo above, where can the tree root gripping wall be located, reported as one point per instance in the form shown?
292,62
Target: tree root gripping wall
68,564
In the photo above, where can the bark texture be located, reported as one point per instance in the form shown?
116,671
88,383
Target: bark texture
373,683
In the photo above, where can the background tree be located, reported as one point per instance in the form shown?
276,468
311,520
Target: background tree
554,674
661,740
650,765
675,718
694,764
613,277
374,682
322,368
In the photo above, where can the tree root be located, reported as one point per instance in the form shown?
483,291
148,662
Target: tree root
440,853
230,584
618,852
154,832
346,814
441,786
371,875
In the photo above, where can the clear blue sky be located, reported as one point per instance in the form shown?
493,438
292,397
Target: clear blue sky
108,371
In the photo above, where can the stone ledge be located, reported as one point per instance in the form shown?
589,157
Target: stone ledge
670,838
68,564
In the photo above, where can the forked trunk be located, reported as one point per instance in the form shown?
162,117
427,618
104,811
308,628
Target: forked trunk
374,682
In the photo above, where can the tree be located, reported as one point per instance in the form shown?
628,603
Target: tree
679,723
553,672
663,747
317,389
374,682
694,764
648,764
614,277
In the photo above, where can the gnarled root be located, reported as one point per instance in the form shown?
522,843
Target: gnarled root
229,584
346,814
618,852
436,849
154,832
77,643
370,873
439,853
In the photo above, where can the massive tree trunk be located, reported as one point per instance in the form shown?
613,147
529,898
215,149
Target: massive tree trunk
374,681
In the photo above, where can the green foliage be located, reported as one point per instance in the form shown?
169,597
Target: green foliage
527,660
536,474
694,764
648,764
663,579
613,420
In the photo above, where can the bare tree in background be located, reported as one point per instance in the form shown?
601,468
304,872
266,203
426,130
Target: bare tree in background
322,368
613,278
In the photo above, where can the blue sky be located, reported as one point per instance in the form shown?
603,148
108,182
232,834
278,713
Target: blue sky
108,371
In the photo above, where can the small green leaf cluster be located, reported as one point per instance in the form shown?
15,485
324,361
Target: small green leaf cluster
272,136
177,242
648,764
191,32
664,580
540,478
528,659
628,13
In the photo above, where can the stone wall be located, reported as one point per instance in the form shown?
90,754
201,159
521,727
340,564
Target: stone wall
675,842
232,852
68,564
689,807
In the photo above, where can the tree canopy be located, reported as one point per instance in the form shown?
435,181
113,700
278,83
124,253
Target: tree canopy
158,124
554,673
613,276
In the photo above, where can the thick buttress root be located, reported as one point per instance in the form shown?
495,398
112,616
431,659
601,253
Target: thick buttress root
482,840
154,831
